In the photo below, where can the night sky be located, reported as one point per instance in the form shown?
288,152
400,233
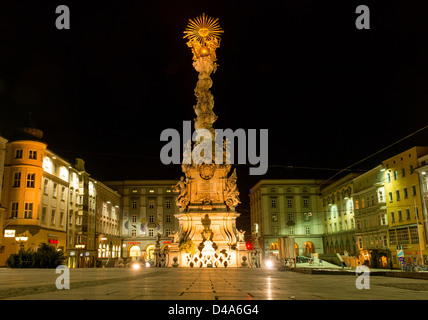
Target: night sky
329,94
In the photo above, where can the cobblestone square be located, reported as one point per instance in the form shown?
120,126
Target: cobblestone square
203,284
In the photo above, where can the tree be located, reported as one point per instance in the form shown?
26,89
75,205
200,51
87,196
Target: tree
45,257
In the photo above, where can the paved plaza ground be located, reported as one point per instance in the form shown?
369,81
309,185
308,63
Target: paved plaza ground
203,284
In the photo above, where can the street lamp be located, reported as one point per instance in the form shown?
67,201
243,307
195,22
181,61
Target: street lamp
80,247
21,239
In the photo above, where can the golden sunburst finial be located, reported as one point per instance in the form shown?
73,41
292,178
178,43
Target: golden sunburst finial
203,33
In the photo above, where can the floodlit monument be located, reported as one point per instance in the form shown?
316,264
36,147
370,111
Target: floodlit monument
207,193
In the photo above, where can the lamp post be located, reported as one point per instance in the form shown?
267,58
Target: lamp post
21,239
79,247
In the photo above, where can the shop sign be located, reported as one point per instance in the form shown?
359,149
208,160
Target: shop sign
133,242
9,233
167,242
53,241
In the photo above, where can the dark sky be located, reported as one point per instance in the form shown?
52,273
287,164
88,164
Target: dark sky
104,90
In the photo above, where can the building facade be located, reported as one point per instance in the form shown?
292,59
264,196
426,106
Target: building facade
422,171
108,222
148,209
339,221
287,208
34,193
406,232
371,219
3,142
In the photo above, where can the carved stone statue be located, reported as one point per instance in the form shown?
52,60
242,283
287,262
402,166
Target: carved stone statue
182,200
231,192
240,235
175,237
207,233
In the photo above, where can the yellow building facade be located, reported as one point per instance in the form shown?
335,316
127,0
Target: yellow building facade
406,232
24,196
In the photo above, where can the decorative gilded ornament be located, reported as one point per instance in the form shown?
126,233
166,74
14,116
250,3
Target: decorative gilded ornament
203,33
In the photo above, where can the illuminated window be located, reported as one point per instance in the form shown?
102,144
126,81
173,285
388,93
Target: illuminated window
150,252
395,174
273,246
388,177
414,237
135,251
403,236
356,205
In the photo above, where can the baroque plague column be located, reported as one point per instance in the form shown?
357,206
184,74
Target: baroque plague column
208,196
